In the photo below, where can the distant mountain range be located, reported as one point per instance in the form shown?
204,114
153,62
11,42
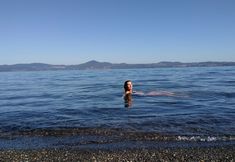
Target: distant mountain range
106,65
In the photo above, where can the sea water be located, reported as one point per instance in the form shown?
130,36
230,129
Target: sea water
86,106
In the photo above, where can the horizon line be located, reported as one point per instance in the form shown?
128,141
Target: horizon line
118,63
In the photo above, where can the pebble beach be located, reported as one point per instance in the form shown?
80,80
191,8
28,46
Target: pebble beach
166,154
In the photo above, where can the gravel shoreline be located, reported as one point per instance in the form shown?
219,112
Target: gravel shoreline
167,154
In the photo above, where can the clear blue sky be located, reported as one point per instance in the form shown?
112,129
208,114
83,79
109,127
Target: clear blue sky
131,31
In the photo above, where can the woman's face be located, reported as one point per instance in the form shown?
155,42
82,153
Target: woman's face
129,86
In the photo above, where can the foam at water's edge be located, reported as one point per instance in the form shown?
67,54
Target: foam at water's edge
205,139
113,134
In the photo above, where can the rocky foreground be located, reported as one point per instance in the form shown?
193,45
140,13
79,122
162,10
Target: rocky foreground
167,154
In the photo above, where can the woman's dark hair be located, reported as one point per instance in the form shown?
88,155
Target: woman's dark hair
125,84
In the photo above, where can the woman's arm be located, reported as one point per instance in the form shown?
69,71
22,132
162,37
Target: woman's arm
160,93
138,93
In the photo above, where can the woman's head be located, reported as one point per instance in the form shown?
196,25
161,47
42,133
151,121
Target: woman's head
128,85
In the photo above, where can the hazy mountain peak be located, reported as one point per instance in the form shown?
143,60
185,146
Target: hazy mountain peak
93,64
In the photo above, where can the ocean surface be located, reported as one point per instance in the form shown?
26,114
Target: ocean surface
85,108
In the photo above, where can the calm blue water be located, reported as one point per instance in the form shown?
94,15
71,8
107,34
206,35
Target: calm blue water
84,102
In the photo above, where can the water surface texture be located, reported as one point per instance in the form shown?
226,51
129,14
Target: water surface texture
90,101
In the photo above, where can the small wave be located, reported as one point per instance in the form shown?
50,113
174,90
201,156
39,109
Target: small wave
205,139
112,132
102,138
228,94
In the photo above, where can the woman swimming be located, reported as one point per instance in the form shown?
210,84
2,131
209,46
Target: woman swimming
128,89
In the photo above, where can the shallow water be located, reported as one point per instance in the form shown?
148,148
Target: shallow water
202,108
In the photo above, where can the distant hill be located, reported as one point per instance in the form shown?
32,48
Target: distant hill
106,65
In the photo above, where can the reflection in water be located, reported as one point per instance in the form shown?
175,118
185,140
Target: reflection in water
128,100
